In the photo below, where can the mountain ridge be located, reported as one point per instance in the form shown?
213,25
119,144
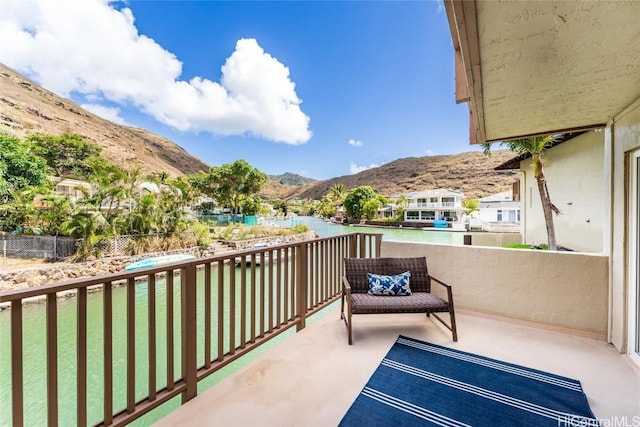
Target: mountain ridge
27,108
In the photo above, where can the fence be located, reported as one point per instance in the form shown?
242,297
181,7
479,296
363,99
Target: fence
219,219
48,247
122,245
215,310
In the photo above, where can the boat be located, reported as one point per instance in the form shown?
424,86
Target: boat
159,260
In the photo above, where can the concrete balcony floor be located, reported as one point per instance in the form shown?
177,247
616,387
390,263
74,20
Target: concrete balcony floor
313,377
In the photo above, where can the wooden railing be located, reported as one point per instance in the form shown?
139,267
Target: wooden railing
217,309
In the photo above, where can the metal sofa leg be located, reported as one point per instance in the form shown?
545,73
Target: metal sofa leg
454,329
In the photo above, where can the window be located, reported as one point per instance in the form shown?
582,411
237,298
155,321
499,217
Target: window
499,215
412,215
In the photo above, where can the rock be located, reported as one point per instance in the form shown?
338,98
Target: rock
37,280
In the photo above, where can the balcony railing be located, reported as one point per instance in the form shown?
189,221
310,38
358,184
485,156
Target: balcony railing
434,205
217,309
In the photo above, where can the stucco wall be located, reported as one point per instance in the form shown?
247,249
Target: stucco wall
556,288
495,239
623,139
575,178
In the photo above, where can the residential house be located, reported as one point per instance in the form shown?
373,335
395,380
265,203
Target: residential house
73,188
579,225
429,206
539,68
499,212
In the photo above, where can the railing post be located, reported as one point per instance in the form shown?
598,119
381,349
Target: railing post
301,283
17,396
378,245
189,333
363,245
353,245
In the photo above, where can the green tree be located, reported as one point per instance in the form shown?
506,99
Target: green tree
250,205
326,208
370,208
337,194
401,205
65,154
535,147
54,212
19,212
230,183
186,192
471,204
19,167
281,206
356,198
90,226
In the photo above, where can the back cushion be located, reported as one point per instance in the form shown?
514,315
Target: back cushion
356,270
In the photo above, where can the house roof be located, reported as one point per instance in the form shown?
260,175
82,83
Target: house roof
514,163
500,204
498,197
536,68
73,183
438,192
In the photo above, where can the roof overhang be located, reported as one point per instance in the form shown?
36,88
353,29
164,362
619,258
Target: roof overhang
514,163
540,67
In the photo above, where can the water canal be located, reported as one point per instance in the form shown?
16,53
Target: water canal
35,349
326,229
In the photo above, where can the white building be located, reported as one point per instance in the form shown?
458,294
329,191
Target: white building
499,207
434,205
73,188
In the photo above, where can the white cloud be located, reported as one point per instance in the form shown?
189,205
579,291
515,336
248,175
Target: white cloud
89,47
355,142
430,152
109,113
354,169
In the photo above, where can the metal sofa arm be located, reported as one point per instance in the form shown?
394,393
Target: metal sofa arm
440,282
346,286
448,287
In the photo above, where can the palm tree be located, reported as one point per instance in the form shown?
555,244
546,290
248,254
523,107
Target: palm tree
401,202
337,194
535,147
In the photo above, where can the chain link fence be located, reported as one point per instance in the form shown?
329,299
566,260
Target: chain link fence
47,247
56,247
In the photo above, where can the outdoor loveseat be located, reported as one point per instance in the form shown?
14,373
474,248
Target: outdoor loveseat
356,285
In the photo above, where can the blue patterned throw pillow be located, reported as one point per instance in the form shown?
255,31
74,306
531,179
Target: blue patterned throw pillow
397,284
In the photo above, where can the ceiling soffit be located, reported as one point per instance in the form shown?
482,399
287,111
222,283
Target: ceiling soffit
546,67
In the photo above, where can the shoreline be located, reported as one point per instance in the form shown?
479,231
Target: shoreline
36,275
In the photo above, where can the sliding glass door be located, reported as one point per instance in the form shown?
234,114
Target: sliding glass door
634,259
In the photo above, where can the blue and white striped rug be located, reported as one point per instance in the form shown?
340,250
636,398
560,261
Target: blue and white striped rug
419,383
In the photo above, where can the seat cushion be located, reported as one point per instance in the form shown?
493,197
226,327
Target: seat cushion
417,302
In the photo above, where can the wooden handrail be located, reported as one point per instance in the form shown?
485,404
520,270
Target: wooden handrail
248,305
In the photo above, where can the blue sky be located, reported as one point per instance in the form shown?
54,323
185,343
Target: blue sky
318,88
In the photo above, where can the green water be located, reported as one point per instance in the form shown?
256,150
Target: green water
34,342
328,229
